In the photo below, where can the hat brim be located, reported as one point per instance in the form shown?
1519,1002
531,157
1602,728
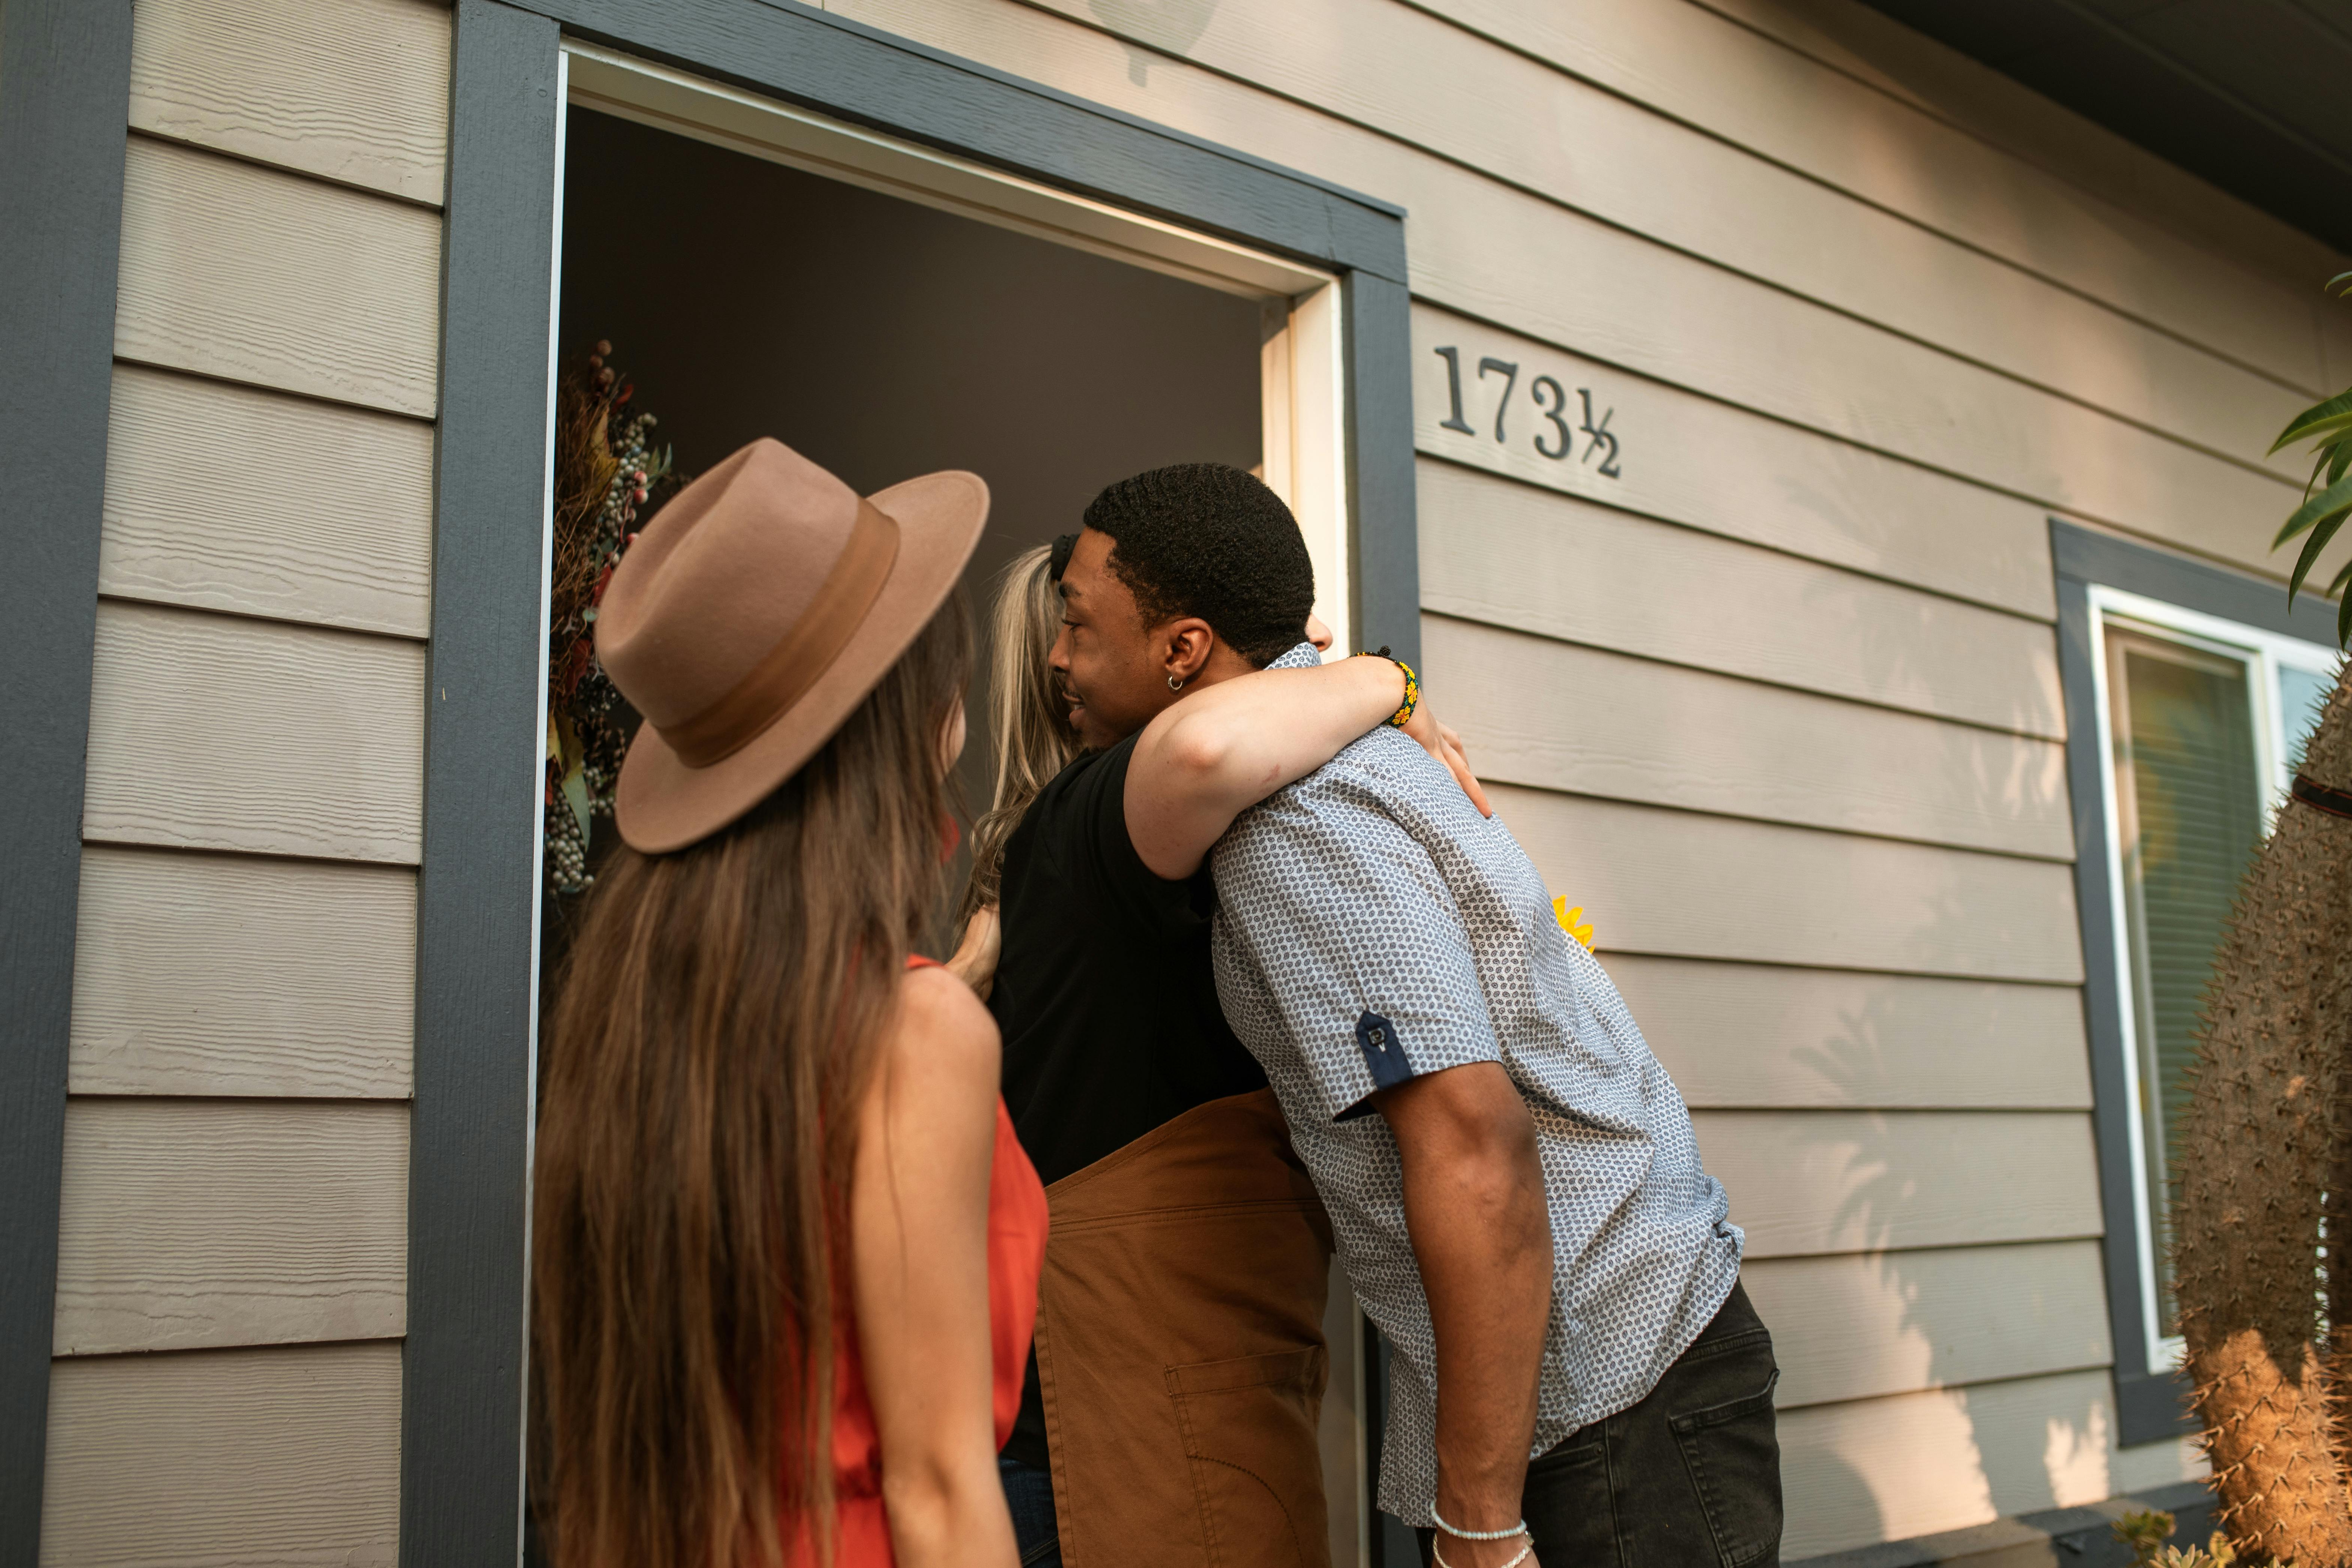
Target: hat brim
663,804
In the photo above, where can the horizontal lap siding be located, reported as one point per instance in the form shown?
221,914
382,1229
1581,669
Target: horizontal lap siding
1861,1326
256,276
1524,123
1728,82
1689,885
1518,556
1763,481
355,92
1809,1182
188,1224
226,975
244,1458
223,498
236,1156
1562,717
1768,686
1487,249
211,732
1764,1036
1918,1463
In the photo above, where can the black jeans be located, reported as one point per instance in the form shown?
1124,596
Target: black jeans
1029,1493
1689,1478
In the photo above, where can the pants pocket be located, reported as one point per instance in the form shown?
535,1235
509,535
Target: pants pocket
1249,1427
1733,1453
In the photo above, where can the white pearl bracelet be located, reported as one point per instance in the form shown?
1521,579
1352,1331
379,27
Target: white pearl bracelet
1438,1519
1525,1552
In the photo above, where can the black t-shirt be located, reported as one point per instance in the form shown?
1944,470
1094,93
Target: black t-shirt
1104,994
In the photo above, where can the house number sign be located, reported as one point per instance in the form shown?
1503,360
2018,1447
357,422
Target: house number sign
1557,429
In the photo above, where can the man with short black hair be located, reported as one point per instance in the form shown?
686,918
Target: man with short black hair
1179,1364
1513,1177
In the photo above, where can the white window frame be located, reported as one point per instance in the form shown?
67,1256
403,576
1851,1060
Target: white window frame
2266,653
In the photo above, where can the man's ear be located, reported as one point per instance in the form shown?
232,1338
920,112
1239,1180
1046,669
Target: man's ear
1187,643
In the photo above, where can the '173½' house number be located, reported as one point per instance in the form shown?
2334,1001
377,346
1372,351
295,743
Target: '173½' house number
1550,400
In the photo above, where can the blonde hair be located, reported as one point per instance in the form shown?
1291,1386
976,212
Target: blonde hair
1026,716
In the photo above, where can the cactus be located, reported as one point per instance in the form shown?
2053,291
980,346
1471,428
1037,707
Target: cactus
2266,1173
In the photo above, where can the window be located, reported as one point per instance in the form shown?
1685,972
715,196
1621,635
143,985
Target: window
2202,722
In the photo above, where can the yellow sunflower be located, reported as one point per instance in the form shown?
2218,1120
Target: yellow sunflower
1568,918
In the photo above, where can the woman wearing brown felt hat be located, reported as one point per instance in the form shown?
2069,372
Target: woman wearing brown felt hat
787,1247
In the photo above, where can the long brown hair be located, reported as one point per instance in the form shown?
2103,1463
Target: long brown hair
1027,718
709,1050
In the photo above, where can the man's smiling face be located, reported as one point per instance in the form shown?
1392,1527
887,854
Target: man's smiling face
1106,658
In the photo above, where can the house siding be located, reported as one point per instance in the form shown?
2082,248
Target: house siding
232,1243
1775,700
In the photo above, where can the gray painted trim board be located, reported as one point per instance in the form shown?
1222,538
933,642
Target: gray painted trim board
464,1366
2147,1404
854,72
65,94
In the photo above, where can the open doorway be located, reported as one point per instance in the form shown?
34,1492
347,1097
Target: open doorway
885,340
888,312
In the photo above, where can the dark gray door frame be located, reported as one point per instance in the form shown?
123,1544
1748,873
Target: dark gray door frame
461,1481
2149,1405
65,96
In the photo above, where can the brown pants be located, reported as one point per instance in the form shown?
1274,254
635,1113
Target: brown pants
1180,1348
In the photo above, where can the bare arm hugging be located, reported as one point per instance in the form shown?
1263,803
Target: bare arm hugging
1223,749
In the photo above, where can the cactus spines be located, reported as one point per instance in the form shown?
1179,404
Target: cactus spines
2264,1164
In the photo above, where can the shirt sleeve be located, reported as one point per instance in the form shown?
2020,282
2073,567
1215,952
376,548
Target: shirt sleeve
1363,957
1132,887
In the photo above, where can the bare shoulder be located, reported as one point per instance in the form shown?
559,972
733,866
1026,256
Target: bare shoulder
943,1029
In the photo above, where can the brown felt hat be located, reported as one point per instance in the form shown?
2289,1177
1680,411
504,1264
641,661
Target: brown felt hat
752,615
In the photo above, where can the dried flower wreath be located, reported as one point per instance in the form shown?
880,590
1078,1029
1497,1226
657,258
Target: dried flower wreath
606,473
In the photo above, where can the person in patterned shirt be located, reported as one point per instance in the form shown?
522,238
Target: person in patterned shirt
1511,1175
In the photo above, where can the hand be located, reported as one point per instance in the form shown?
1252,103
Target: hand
1447,746
975,958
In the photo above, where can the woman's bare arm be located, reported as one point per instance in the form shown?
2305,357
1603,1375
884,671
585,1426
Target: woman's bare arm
1228,746
919,1218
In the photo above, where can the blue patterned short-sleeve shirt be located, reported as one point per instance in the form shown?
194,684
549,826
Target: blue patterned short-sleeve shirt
1372,926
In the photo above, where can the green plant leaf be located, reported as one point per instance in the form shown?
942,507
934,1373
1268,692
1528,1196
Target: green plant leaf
2340,278
2330,503
2320,534
2336,413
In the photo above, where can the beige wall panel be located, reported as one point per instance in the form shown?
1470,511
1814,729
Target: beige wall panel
210,732
1557,716
255,276
1439,87
1810,1182
1683,884
204,974
229,499
1882,1470
1983,104
251,1458
188,1224
1769,483
1514,555
1749,1035
1484,250
1726,80
355,90
1859,1327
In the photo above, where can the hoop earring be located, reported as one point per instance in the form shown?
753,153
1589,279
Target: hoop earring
1174,684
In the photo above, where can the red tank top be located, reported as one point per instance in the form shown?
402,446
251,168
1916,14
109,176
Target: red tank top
1017,1255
